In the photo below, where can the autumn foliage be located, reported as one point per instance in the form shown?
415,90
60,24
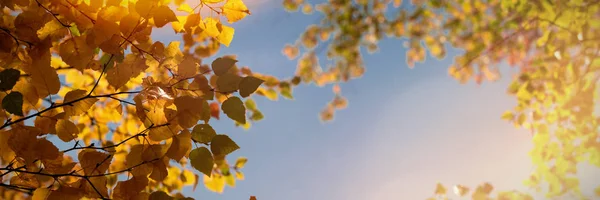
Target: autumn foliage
94,108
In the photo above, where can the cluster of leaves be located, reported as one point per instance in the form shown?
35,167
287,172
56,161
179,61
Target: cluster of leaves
86,74
481,192
554,44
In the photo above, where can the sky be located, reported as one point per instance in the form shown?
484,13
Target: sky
404,130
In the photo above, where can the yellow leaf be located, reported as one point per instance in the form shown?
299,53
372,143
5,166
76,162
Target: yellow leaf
189,110
76,52
185,8
181,146
215,183
210,27
235,10
188,67
230,180
129,23
82,105
94,162
240,162
104,30
146,8
226,35
131,67
66,130
248,85
461,190
440,189
130,188
163,15
211,1
51,29
239,175
40,194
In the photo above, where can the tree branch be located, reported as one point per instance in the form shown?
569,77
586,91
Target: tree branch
9,122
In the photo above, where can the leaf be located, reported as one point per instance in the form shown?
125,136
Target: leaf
239,175
221,65
52,29
188,67
94,162
146,8
77,102
201,159
8,79
440,189
189,110
40,194
13,103
461,190
211,27
104,30
222,145
228,83
130,188
66,130
226,35
185,8
76,52
240,162
230,180
203,133
131,67
214,110
211,1
248,85
181,146
163,15
252,198
160,195
234,108
129,22
235,10
215,183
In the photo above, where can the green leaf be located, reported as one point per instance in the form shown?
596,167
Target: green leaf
285,90
202,160
257,116
223,145
250,104
8,79
240,162
74,30
221,65
203,133
248,85
228,83
13,103
234,108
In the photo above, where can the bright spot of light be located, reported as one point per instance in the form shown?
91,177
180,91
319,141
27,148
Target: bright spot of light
557,55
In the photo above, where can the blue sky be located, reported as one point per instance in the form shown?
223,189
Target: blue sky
404,130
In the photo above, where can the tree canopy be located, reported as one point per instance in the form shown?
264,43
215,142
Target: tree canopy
137,112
